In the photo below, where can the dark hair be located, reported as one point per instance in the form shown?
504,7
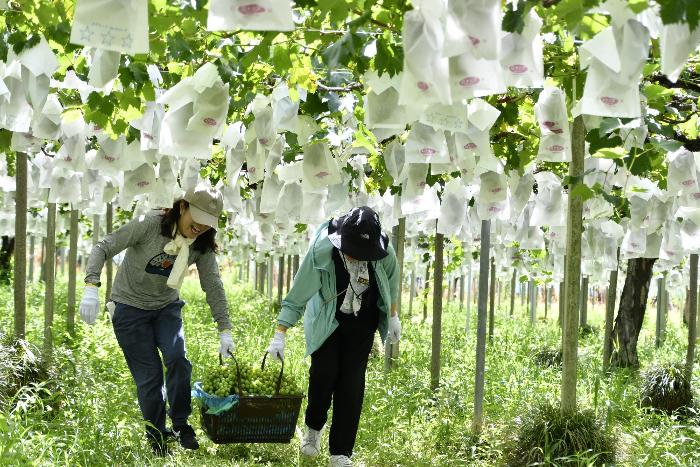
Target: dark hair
203,243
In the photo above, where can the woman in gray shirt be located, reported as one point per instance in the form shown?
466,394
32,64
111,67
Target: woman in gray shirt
147,318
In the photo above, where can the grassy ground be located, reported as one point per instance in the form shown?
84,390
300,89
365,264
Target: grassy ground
403,422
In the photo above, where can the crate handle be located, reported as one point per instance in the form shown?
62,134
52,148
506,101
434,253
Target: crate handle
279,377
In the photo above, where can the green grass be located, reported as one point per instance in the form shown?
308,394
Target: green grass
403,423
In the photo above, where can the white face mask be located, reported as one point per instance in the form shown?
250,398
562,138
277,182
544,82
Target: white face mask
359,283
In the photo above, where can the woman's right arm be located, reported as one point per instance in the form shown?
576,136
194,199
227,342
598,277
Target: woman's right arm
119,240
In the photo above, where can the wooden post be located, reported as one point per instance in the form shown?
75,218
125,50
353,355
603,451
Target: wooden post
609,317
692,315
280,279
499,285
50,281
461,293
573,270
512,291
532,289
584,301
492,297
72,272
437,314
31,257
95,229
426,291
42,270
469,296
391,351
560,318
661,297
20,266
478,419
290,273
270,275
61,260
412,292
110,264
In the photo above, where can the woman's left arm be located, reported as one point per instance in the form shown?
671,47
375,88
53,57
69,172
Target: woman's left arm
391,268
210,280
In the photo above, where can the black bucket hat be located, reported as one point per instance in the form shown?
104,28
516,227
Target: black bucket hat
359,235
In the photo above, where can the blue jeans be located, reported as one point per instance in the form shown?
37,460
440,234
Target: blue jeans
141,333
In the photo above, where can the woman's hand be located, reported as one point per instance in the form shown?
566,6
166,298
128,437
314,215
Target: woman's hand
226,346
277,344
394,329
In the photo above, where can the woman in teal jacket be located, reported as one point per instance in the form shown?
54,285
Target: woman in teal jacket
346,287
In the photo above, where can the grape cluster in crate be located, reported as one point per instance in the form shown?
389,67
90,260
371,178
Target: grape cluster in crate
223,380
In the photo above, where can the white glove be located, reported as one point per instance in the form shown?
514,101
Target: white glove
90,304
226,346
111,306
276,347
394,329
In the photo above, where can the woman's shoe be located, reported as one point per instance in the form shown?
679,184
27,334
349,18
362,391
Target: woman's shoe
339,461
185,434
311,442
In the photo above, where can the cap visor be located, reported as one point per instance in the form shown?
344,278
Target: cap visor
201,217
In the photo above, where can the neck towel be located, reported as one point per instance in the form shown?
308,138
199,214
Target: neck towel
179,246
359,282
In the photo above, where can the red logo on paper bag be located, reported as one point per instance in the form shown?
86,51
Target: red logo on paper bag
264,141
210,121
556,148
251,170
420,184
696,195
687,182
68,159
428,151
475,40
143,183
495,209
109,158
558,131
548,124
322,174
147,135
251,9
470,146
422,85
609,100
517,69
469,81
498,189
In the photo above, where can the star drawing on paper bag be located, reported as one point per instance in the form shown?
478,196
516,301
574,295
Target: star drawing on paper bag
86,33
127,41
107,37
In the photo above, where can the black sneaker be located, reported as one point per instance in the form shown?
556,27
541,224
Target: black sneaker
185,434
158,441
169,436
160,448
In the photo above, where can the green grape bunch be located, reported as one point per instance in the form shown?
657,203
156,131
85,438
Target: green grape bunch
223,380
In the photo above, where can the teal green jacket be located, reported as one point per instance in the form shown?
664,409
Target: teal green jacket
314,291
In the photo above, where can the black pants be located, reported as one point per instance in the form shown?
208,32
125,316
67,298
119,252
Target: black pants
338,371
141,333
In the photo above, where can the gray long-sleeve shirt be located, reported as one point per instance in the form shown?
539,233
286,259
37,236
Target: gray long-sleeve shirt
141,279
